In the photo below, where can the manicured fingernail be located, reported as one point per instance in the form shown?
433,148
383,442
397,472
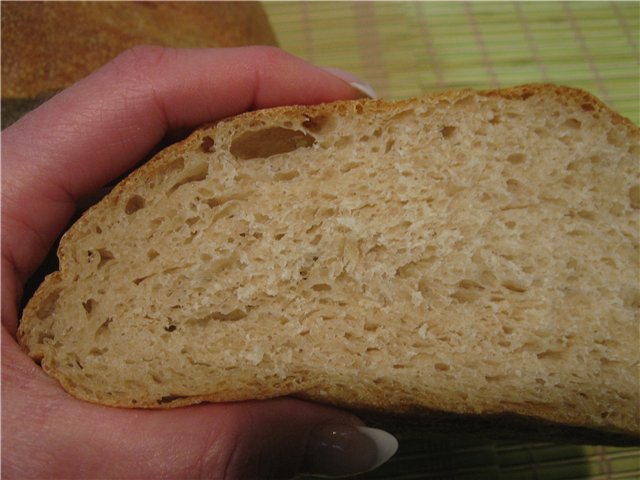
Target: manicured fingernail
341,450
363,87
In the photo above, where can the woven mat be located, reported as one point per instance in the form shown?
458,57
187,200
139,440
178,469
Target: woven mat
408,48
405,49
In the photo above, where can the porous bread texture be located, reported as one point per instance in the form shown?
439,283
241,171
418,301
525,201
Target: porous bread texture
467,252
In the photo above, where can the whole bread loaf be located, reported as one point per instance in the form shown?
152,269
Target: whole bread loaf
47,46
466,255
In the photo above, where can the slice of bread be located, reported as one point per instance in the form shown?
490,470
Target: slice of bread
466,253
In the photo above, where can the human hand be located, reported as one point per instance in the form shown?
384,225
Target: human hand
57,155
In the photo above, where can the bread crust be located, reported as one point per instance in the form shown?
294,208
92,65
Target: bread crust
48,46
526,417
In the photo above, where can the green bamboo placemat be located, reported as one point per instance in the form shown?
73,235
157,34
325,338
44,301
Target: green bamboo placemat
409,48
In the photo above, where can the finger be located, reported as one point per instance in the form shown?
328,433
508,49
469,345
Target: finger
52,434
97,129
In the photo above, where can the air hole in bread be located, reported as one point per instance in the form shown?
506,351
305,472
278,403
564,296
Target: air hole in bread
516,158
316,124
573,123
423,286
48,305
103,329
215,201
408,270
484,197
343,141
171,167
441,367
285,176
586,214
139,280
512,185
588,107
464,295
609,261
232,316
321,287
105,256
447,131
268,142
135,203
350,336
470,285
347,167
495,120
404,114
151,254
616,138
196,174
207,144
371,327
634,196
78,363
572,166
550,355
89,305
514,286
389,145
604,361
170,398
631,298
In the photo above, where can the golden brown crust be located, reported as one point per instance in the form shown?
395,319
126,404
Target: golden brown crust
567,95
48,46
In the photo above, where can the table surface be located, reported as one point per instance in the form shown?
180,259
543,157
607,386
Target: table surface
405,49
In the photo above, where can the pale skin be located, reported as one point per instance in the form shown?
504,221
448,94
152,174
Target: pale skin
61,153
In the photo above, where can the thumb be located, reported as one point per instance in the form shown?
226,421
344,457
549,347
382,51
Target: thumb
285,437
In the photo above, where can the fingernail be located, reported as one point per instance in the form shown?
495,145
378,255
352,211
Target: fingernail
363,87
342,450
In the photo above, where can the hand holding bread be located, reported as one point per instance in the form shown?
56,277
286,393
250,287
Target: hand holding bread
78,141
